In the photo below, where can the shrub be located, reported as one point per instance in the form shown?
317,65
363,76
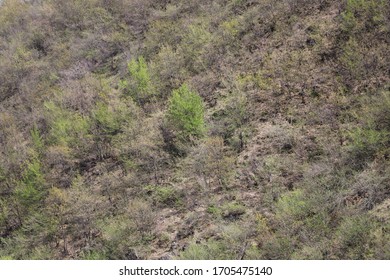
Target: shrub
363,22
140,85
230,243
193,47
292,205
67,128
165,195
168,67
232,210
299,215
142,214
279,247
110,115
231,116
352,60
139,146
212,160
119,237
365,144
163,31
363,15
186,114
381,236
30,190
210,250
370,139
37,140
379,112
353,237
5,213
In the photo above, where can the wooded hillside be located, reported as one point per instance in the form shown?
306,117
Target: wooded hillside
195,129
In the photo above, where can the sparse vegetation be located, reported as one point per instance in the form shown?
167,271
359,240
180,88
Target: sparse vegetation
194,129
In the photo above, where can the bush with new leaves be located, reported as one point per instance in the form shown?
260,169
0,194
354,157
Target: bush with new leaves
140,85
186,114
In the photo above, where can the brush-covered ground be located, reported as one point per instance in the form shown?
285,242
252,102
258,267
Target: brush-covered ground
194,129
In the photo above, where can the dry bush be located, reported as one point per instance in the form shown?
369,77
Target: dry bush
211,160
62,167
368,190
13,146
143,215
168,67
139,147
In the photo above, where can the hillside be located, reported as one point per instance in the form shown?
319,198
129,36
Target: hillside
194,129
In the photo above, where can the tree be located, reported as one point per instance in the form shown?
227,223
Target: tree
140,85
186,114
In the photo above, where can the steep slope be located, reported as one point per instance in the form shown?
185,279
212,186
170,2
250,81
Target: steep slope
226,129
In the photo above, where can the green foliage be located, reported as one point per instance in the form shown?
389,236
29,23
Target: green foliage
186,113
213,210
67,128
33,175
294,205
105,119
229,210
194,46
30,189
211,250
96,255
308,253
42,252
37,140
279,247
300,217
110,116
140,85
353,237
231,27
229,244
366,143
119,236
165,195
363,14
232,210
371,138
352,59
380,233
5,214
363,21
378,112
287,168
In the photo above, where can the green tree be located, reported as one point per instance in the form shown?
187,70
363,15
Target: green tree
140,85
31,185
186,113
